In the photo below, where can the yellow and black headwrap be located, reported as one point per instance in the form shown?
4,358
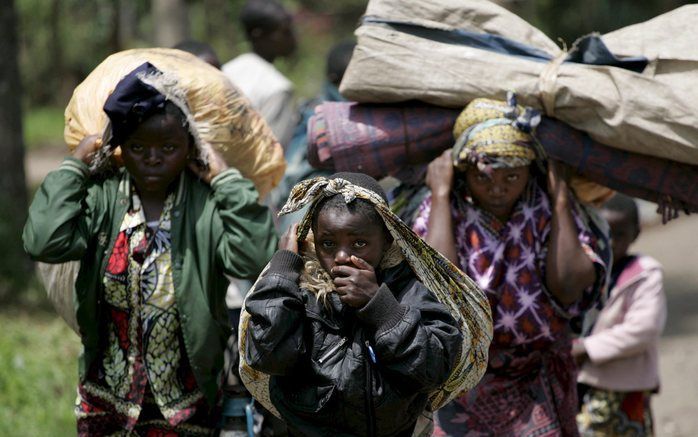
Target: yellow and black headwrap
465,301
493,134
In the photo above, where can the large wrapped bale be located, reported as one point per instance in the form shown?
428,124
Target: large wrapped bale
399,140
223,117
448,52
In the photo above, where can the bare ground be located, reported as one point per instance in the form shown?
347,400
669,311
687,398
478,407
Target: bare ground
675,245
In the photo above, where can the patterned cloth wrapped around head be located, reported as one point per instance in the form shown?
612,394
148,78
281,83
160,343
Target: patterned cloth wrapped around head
462,297
493,134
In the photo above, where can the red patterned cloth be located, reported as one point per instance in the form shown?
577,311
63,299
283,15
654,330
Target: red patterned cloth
620,414
142,380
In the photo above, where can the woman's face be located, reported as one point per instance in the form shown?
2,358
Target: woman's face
156,153
340,233
497,193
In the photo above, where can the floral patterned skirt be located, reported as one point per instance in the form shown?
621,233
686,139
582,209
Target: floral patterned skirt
98,418
606,413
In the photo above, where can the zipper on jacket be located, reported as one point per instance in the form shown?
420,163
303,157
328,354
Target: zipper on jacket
369,391
332,351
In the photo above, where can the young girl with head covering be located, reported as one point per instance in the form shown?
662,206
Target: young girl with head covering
536,253
361,327
154,239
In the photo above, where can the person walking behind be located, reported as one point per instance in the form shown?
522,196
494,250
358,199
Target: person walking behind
269,30
619,357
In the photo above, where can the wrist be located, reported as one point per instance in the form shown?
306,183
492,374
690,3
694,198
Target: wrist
561,197
82,157
441,194
382,311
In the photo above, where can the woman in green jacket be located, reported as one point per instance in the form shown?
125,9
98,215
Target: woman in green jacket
155,240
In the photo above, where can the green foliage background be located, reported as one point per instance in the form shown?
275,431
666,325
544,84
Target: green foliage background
63,40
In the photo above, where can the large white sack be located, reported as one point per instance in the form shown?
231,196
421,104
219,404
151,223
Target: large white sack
653,113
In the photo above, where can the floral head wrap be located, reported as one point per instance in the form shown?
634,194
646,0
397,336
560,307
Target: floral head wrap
465,301
493,134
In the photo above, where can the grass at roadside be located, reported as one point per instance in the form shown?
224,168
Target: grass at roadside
38,373
43,127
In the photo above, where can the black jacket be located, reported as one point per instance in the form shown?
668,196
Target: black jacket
337,371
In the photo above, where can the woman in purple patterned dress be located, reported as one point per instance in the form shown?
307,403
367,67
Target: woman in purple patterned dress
536,252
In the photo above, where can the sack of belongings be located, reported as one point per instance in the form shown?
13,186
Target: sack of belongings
396,140
448,52
223,117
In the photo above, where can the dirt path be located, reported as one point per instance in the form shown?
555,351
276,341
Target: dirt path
39,162
675,245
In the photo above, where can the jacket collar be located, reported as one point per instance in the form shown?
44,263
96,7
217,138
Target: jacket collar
397,277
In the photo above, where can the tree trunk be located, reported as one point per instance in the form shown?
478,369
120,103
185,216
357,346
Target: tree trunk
170,21
15,266
127,21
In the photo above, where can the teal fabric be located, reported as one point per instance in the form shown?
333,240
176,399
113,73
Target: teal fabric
216,230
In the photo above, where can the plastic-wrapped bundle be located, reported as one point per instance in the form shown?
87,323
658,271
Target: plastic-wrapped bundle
223,118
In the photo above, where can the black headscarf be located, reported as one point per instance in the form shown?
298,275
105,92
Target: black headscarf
132,102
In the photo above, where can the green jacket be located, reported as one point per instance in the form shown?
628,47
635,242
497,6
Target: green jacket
216,230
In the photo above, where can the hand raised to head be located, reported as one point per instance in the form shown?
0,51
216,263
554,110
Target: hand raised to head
216,165
558,179
85,151
289,240
440,175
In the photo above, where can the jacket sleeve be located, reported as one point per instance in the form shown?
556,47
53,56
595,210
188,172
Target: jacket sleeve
642,324
415,338
60,216
247,239
275,341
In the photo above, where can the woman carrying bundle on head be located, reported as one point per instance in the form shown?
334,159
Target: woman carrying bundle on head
539,256
154,239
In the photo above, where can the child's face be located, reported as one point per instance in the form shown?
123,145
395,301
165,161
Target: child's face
339,234
498,193
156,153
623,232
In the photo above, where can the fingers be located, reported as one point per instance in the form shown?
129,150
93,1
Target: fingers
361,264
355,294
340,282
351,300
288,240
439,177
343,271
85,151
